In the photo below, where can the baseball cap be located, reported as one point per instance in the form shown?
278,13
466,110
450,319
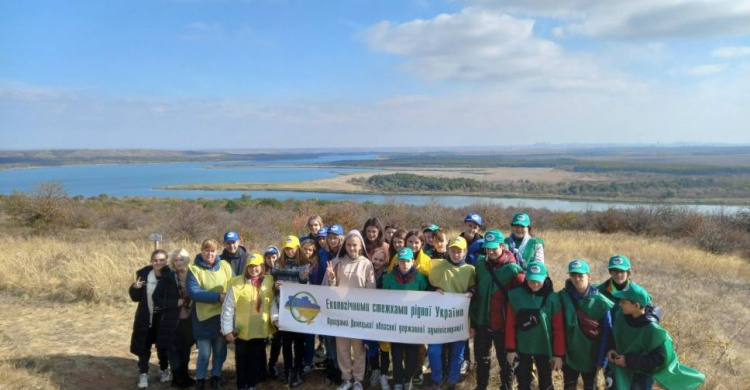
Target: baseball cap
431,228
578,266
459,242
335,229
255,259
322,232
493,239
634,292
521,219
291,242
619,262
405,253
231,236
271,250
474,217
536,271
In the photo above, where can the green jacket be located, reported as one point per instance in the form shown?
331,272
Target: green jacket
417,283
583,354
487,308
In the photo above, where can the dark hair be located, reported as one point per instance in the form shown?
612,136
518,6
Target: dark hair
400,233
390,225
159,251
419,235
370,245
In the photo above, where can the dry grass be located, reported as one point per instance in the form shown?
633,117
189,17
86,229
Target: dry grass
66,321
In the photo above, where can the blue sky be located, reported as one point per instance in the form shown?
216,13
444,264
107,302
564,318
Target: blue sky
293,73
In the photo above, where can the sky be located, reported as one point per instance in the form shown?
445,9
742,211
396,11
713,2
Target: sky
244,74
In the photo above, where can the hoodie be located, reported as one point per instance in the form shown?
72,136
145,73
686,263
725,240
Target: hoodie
236,260
354,273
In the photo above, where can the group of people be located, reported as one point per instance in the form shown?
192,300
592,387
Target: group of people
233,296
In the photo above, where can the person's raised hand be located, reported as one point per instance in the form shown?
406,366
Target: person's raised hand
138,282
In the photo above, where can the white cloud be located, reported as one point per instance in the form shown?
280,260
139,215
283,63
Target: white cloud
638,19
702,70
731,52
482,45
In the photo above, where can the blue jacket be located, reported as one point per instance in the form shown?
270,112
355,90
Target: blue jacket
211,327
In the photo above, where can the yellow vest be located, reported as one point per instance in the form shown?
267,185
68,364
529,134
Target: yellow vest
422,263
255,324
211,281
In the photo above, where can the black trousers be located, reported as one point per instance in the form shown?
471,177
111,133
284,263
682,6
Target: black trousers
179,357
161,353
247,355
570,379
381,361
404,362
289,340
523,371
484,339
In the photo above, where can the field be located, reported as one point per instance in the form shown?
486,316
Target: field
66,317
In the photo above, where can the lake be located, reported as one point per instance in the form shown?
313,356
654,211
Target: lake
141,179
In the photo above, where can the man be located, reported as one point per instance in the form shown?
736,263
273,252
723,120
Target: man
233,253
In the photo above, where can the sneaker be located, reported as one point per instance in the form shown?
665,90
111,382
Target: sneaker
200,384
320,351
165,376
272,371
357,385
215,383
465,367
384,383
346,385
142,381
307,369
374,378
418,381
398,386
296,379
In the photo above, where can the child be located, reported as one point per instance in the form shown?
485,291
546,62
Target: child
439,244
427,233
290,265
309,252
398,241
351,269
270,256
334,241
525,248
643,350
473,237
314,224
451,275
246,319
415,241
321,238
619,272
534,328
373,234
388,231
378,351
404,277
587,325
496,274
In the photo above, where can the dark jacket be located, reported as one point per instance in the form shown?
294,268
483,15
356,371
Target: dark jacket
238,260
165,297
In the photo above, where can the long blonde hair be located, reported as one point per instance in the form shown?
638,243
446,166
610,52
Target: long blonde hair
181,274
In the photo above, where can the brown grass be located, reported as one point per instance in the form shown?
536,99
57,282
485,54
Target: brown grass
66,318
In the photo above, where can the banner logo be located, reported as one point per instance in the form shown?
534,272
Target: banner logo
303,307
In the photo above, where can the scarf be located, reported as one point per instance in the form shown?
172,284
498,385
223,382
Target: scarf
518,250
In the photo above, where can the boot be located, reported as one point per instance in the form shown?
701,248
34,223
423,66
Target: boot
200,384
215,383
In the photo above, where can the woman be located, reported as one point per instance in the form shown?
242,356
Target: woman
524,247
179,356
207,283
155,321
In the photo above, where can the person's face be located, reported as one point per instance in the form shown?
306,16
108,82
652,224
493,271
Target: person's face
314,226
457,254
290,252
427,236
372,233
159,261
414,243
208,255
334,241
397,243
180,262
629,307
494,253
580,281
322,241
231,246
405,265
253,271
271,259
388,233
379,260
619,276
520,231
534,285
308,250
439,243
353,247
470,229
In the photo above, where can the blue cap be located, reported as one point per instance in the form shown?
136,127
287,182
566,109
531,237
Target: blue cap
336,229
271,250
474,217
322,232
231,236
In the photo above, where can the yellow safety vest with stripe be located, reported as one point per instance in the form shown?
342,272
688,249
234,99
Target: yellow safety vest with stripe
253,323
210,280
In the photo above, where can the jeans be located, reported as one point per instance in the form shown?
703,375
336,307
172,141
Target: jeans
483,341
309,351
206,348
435,353
523,371
642,382
570,379
330,343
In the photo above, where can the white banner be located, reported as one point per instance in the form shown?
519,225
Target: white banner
412,317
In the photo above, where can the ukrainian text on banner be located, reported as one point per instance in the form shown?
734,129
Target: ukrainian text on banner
414,317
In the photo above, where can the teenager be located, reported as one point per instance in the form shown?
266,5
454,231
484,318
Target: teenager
497,273
207,283
534,329
472,234
642,351
525,248
404,277
270,260
378,352
374,236
156,316
427,233
351,269
587,326
246,320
